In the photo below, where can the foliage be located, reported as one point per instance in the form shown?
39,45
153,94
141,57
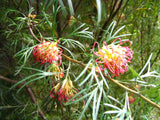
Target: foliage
90,92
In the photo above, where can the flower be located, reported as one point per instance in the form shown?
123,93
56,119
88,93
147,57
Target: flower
137,87
131,99
58,70
65,92
54,90
32,16
47,52
71,20
113,57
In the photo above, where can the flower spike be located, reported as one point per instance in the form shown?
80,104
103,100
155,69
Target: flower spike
47,52
64,92
113,57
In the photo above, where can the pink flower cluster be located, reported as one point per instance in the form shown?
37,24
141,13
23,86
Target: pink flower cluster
65,92
58,70
47,52
113,57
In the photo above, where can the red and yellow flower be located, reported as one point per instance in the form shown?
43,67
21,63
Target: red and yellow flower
64,92
113,57
57,70
47,52
131,99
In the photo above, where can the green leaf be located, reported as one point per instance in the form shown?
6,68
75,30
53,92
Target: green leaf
99,10
74,43
135,74
24,80
112,106
99,100
85,69
67,51
49,3
71,7
77,100
94,106
111,112
118,31
102,76
63,7
107,31
88,102
37,78
88,76
147,63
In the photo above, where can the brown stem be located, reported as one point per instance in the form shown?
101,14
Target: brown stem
133,91
30,2
15,4
31,31
141,33
19,4
38,7
155,57
117,83
7,79
73,60
29,92
77,5
58,25
122,12
113,8
112,15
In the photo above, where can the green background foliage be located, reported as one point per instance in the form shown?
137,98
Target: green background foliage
92,21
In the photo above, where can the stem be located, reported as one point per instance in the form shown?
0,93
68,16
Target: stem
113,13
19,4
38,7
141,33
31,31
157,55
30,2
133,91
117,83
122,12
73,60
29,92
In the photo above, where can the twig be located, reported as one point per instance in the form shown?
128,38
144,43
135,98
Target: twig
73,60
31,31
122,12
133,91
30,2
35,101
15,4
112,15
157,55
58,25
19,4
117,83
29,92
38,7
